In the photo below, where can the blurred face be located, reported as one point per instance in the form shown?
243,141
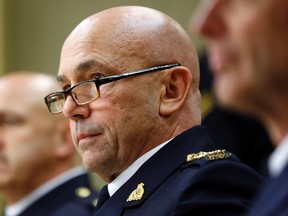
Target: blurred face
112,131
25,135
247,45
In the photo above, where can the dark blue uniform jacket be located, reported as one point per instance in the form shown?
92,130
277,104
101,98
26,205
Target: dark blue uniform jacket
73,198
208,183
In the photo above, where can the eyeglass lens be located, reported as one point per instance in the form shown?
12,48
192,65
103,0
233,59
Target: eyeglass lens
82,94
56,102
85,93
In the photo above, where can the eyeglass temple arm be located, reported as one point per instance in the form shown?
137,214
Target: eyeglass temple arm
112,78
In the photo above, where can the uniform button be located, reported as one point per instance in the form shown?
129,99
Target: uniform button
83,192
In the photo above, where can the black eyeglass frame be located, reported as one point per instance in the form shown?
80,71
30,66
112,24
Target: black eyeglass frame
104,80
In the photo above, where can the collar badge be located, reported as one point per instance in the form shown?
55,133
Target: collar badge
136,194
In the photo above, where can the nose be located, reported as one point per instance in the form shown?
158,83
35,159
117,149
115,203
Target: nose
207,20
74,111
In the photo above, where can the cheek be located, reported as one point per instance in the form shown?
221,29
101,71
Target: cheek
136,111
233,90
250,54
264,43
264,32
23,161
29,144
130,115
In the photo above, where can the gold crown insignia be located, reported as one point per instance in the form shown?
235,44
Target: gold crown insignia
136,194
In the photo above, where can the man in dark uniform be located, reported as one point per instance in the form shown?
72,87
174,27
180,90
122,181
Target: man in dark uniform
247,44
130,78
40,170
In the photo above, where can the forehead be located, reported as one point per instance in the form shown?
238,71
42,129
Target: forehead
93,45
15,109
75,69
15,101
17,98
86,54
83,69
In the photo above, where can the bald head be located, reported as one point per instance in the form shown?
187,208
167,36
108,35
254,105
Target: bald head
140,34
28,86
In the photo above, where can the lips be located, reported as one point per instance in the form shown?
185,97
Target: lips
85,133
83,136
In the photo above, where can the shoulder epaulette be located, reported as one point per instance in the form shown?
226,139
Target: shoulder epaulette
212,155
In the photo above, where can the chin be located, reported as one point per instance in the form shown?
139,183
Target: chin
234,102
226,95
91,164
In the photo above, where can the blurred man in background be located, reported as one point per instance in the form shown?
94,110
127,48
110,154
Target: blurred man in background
40,172
247,44
236,132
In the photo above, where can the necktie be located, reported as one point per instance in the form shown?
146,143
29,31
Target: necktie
103,197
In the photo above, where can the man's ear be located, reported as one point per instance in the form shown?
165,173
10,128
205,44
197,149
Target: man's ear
176,87
64,146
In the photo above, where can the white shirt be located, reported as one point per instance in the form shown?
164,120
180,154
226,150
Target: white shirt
131,170
21,205
279,158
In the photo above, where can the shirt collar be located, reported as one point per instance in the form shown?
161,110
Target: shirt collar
279,158
132,169
21,205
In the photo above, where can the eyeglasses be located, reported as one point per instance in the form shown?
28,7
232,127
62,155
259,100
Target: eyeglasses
87,91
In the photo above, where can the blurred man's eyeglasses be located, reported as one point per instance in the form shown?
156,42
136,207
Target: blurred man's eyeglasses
88,91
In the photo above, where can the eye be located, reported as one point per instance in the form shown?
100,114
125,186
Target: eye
97,75
65,87
10,121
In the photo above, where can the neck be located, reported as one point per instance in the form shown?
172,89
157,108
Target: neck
276,128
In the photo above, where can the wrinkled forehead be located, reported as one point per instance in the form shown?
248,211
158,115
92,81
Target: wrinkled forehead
87,54
101,49
84,52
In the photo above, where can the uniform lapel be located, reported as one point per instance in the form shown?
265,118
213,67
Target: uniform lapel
164,162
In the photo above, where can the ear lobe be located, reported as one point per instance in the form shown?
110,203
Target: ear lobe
176,88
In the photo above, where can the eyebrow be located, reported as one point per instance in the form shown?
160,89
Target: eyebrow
60,79
83,66
86,65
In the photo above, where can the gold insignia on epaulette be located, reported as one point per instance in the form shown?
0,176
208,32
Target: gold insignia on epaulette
83,192
136,194
212,155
